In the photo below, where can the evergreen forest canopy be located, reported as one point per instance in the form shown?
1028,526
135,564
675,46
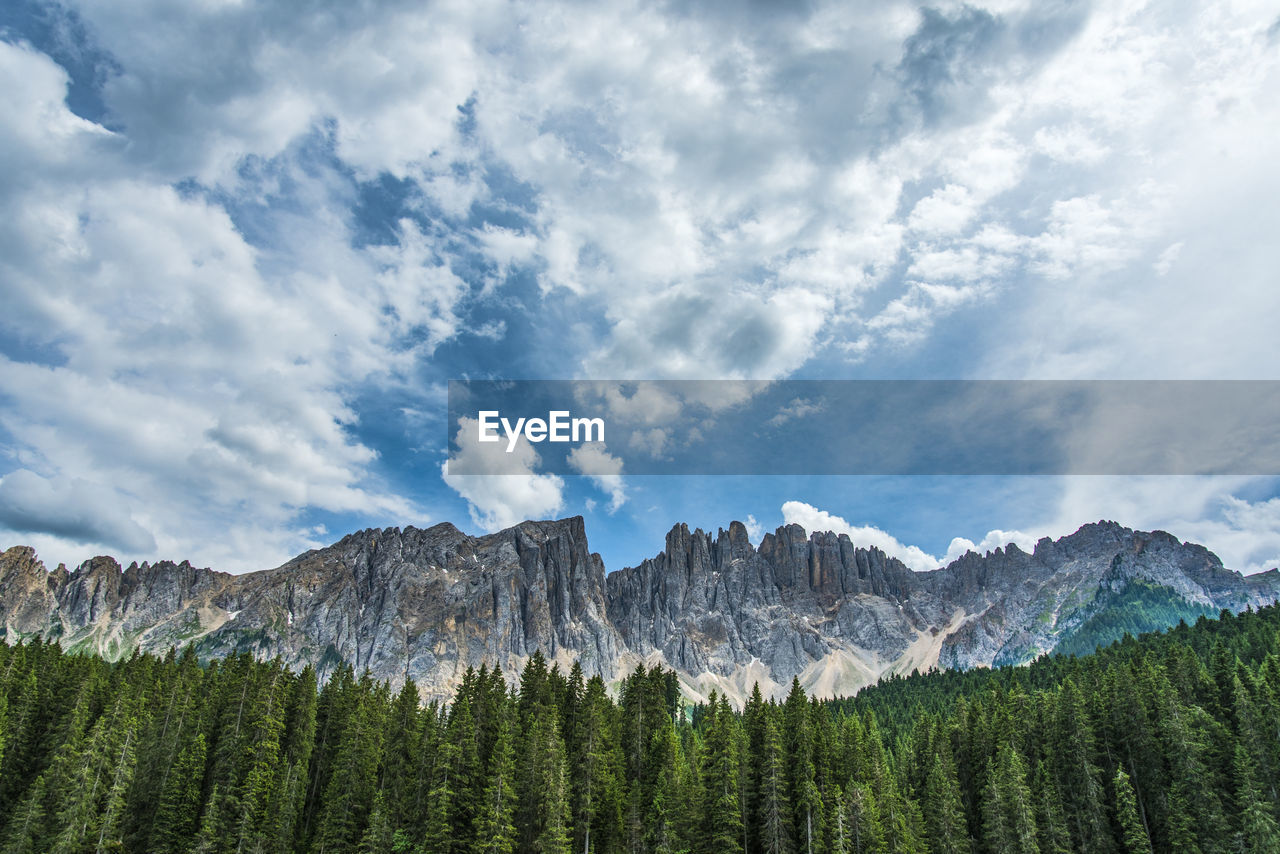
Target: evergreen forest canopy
1167,742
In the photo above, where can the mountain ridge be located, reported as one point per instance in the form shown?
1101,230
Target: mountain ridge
724,613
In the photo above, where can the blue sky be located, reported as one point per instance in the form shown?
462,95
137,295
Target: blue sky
243,248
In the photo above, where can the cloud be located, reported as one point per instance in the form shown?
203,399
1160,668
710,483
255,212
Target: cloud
1164,263
945,211
641,403
797,408
944,61
652,442
507,246
161,350
71,509
194,306
1071,144
497,501
604,469
909,318
724,190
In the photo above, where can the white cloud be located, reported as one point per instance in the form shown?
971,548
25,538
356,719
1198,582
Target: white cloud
1070,144
604,469
652,441
797,408
909,318
725,193
199,91
756,161
507,246
1180,105
1084,235
638,403
945,211
503,488
72,509
718,165
190,369
1168,257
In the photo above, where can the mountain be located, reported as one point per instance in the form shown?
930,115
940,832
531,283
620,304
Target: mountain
723,613
726,615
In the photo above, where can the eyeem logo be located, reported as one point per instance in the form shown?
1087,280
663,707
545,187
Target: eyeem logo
558,426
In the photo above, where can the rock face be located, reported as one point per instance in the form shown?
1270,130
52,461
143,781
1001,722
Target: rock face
727,615
724,614
420,603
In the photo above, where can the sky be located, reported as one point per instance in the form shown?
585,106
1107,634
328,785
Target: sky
244,247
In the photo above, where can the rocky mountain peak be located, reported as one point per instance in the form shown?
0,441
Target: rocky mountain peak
427,603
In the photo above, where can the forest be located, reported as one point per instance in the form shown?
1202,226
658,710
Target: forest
1166,742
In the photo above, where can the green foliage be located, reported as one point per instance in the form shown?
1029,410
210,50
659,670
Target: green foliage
1165,742
1140,606
1132,832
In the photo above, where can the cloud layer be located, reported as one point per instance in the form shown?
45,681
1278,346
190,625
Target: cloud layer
249,233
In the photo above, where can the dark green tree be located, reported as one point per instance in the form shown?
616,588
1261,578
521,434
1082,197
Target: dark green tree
495,825
1132,832
721,815
1008,814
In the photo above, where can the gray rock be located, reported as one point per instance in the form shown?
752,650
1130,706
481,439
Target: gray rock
428,604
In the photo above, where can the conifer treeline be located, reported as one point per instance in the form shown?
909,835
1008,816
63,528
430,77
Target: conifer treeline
1165,743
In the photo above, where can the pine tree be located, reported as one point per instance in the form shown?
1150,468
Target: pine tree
662,822
866,832
722,819
774,832
25,830
468,774
22,727
839,840
438,837
400,759
260,790
1054,836
1008,816
554,827
1077,774
178,813
212,836
594,772
806,802
172,725
348,798
753,726
1258,831
495,828
1134,835
944,811
334,707
298,745
1182,825
93,796
379,837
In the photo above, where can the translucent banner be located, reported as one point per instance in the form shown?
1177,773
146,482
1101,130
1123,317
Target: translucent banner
992,427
